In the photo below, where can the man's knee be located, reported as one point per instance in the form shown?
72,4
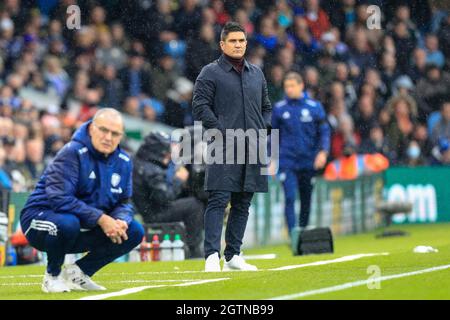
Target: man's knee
68,226
135,233
218,199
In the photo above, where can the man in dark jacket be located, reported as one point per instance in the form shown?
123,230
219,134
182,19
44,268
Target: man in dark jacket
81,204
157,197
231,93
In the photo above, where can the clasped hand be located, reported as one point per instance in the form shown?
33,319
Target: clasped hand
115,229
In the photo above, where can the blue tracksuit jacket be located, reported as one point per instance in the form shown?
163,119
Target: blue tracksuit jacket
84,182
304,131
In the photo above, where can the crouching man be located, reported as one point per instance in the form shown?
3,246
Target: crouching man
81,204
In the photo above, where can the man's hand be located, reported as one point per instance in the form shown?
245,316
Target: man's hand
272,169
321,160
123,236
112,228
182,174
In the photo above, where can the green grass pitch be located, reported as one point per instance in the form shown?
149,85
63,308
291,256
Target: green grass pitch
180,280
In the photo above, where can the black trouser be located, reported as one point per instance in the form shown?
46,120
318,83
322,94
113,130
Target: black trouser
237,221
190,211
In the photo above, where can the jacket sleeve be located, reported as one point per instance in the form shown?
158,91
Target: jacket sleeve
266,105
324,130
203,100
125,210
61,185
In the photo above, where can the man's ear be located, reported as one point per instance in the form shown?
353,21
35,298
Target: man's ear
222,44
90,129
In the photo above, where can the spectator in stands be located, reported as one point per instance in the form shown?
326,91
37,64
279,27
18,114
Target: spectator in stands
417,69
35,157
305,44
132,107
201,51
136,77
345,134
360,52
402,113
267,35
434,55
433,89
441,153
222,15
107,53
404,45
365,118
376,143
56,77
316,18
188,19
442,128
275,83
178,111
444,38
112,87
152,109
5,180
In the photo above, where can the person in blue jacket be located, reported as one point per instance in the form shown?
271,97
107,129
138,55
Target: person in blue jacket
304,143
81,204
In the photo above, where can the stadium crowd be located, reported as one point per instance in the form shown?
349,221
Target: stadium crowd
385,90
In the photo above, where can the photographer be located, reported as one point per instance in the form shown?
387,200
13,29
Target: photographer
159,200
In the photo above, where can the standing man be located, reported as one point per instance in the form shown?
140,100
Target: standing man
231,93
304,145
81,204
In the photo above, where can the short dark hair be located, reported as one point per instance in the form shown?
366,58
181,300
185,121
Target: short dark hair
231,26
292,75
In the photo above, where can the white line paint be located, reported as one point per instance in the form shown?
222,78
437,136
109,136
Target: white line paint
324,262
104,282
139,289
120,293
316,263
22,276
21,284
357,283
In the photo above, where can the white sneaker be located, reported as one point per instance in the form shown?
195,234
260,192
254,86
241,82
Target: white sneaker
212,263
237,263
52,284
78,280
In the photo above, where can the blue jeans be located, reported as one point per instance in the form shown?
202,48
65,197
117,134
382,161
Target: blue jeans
297,181
237,221
59,234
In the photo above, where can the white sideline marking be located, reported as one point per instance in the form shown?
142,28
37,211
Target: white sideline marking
102,282
120,293
22,276
139,289
316,263
21,284
323,262
357,283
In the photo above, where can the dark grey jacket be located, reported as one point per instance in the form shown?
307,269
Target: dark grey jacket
225,99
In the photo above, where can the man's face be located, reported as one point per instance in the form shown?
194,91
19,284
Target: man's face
293,88
106,133
234,45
